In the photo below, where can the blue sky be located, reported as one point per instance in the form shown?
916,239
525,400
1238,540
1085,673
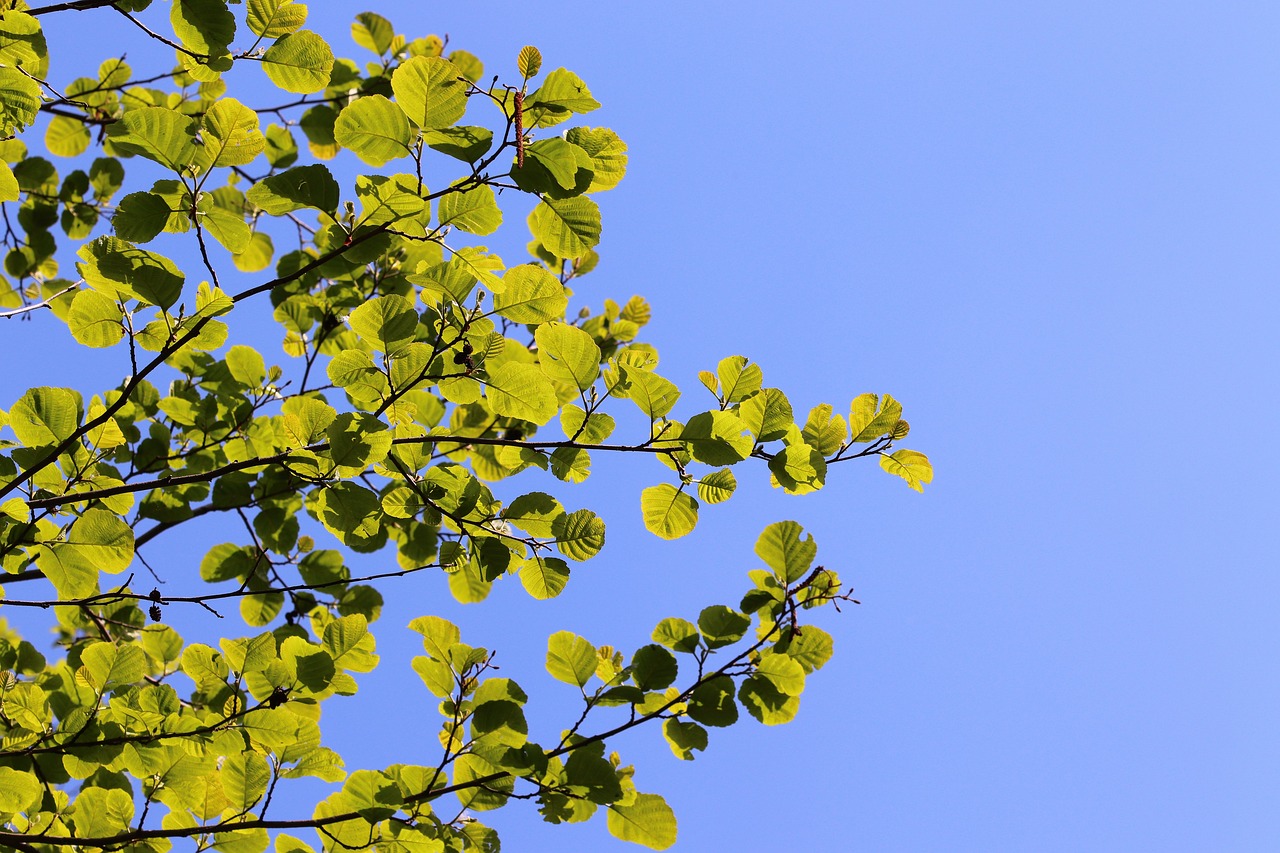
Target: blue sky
1050,230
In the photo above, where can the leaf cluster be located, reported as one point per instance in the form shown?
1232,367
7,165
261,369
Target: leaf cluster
419,373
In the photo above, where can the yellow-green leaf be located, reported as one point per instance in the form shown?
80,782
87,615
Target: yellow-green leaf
568,354
375,129
231,135
911,466
668,512
647,821
275,18
299,62
429,91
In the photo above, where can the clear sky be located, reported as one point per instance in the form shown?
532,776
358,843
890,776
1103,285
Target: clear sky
1050,229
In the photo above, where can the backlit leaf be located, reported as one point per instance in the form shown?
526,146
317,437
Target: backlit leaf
782,550
668,512
568,354
231,135
647,821
299,62
429,91
375,129
911,466
570,658
275,18
568,227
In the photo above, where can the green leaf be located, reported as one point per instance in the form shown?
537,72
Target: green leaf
570,464
385,323
678,634
275,18
45,416
647,821
9,190
567,227
717,438
391,198
717,487
531,295
474,211
655,395
438,635
246,365
767,414
579,535
163,135
353,371
429,91
299,62
372,32
103,812
568,354
304,186
668,512
282,149
112,665
812,649
608,155
22,44
653,668
347,509
18,791
782,550
226,226
19,101
375,129
207,27
534,513
306,419
766,703
140,217
467,144
124,272
684,738
529,61
256,254
544,577
562,94
739,379
244,780
205,666
552,165
356,441
799,468
521,391
570,658
911,466
589,429
871,417
823,431
711,702
231,135
347,640
722,626
66,136
785,674
95,320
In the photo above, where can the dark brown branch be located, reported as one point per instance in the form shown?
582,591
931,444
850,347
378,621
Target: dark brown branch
286,455
76,6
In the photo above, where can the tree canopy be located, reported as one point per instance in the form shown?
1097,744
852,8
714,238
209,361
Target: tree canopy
434,402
